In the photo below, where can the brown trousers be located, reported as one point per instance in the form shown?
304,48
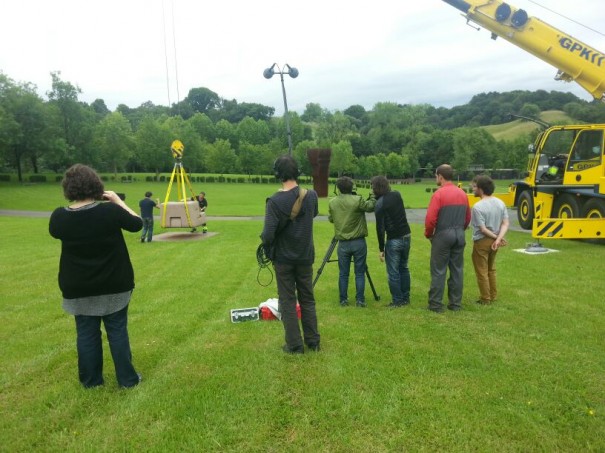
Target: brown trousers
484,261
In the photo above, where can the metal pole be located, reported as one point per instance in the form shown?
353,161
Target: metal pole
286,116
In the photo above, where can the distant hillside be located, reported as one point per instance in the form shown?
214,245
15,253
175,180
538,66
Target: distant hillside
514,129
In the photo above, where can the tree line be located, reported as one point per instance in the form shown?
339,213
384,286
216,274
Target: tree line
223,136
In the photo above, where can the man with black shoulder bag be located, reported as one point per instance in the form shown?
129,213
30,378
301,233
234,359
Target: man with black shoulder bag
287,238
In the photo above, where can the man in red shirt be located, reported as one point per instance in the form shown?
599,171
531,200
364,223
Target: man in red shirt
448,215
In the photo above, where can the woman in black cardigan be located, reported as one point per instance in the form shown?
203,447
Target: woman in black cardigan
95,273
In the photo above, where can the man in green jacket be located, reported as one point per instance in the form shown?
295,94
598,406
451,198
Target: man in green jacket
347,213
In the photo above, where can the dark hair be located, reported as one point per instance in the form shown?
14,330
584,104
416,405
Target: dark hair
285,168
345,184
446,171
484,183
148,194
380,185
81,182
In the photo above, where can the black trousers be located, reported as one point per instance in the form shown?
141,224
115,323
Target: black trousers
292,281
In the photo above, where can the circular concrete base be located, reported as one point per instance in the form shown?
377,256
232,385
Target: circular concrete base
183,236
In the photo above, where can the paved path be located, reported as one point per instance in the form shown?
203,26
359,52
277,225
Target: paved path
413,215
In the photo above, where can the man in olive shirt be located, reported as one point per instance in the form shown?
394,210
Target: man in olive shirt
347,213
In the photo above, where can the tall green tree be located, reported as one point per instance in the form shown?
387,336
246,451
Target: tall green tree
221,157
77,120
395,165
114,141
65,96
301,156
250,158
343,160
184,130
371,166
227,131
313,113
202,100
252,131
386,128
24,124
152,146
334,128
204,126
473,146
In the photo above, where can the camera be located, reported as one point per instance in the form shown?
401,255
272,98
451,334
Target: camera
122,196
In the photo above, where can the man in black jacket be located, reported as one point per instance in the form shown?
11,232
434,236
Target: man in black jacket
291,239
392,221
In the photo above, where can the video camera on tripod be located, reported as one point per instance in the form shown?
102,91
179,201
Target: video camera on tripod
327,259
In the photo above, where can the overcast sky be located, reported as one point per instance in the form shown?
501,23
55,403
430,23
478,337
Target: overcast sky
348,52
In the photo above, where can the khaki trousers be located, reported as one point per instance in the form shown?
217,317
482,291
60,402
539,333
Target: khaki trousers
484,261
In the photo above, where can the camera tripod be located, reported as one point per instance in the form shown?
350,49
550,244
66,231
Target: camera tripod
328,260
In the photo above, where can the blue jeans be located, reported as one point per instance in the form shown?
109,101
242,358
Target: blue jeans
147,229
397,252
358,250
90,348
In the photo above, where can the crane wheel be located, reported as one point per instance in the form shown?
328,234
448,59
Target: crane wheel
525,210
566,207
594,209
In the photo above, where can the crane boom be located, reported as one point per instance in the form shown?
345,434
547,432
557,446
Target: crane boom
573,59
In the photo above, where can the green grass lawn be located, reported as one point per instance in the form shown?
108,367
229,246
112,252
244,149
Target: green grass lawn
515,128
224,199
525,374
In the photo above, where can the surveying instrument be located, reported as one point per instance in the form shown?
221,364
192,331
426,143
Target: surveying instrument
328,260
182,213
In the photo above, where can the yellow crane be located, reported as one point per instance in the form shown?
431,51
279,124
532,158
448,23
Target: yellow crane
573,59
185,212
563,195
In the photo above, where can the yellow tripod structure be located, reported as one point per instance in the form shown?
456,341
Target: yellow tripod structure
172,212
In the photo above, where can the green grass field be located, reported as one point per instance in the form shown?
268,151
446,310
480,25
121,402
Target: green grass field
513,129
224,199
523,375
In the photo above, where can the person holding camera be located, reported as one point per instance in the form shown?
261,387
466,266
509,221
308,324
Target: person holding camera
147,205
391,220
347,212
288,237
96,276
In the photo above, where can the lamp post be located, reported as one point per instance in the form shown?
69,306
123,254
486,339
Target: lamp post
292,72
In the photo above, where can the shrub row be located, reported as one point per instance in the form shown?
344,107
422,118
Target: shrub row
227,179
308,180
434,189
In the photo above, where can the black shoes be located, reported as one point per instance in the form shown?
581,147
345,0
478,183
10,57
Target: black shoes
300,349
360,303
134,385
297,350
398,304
314,347
344,303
